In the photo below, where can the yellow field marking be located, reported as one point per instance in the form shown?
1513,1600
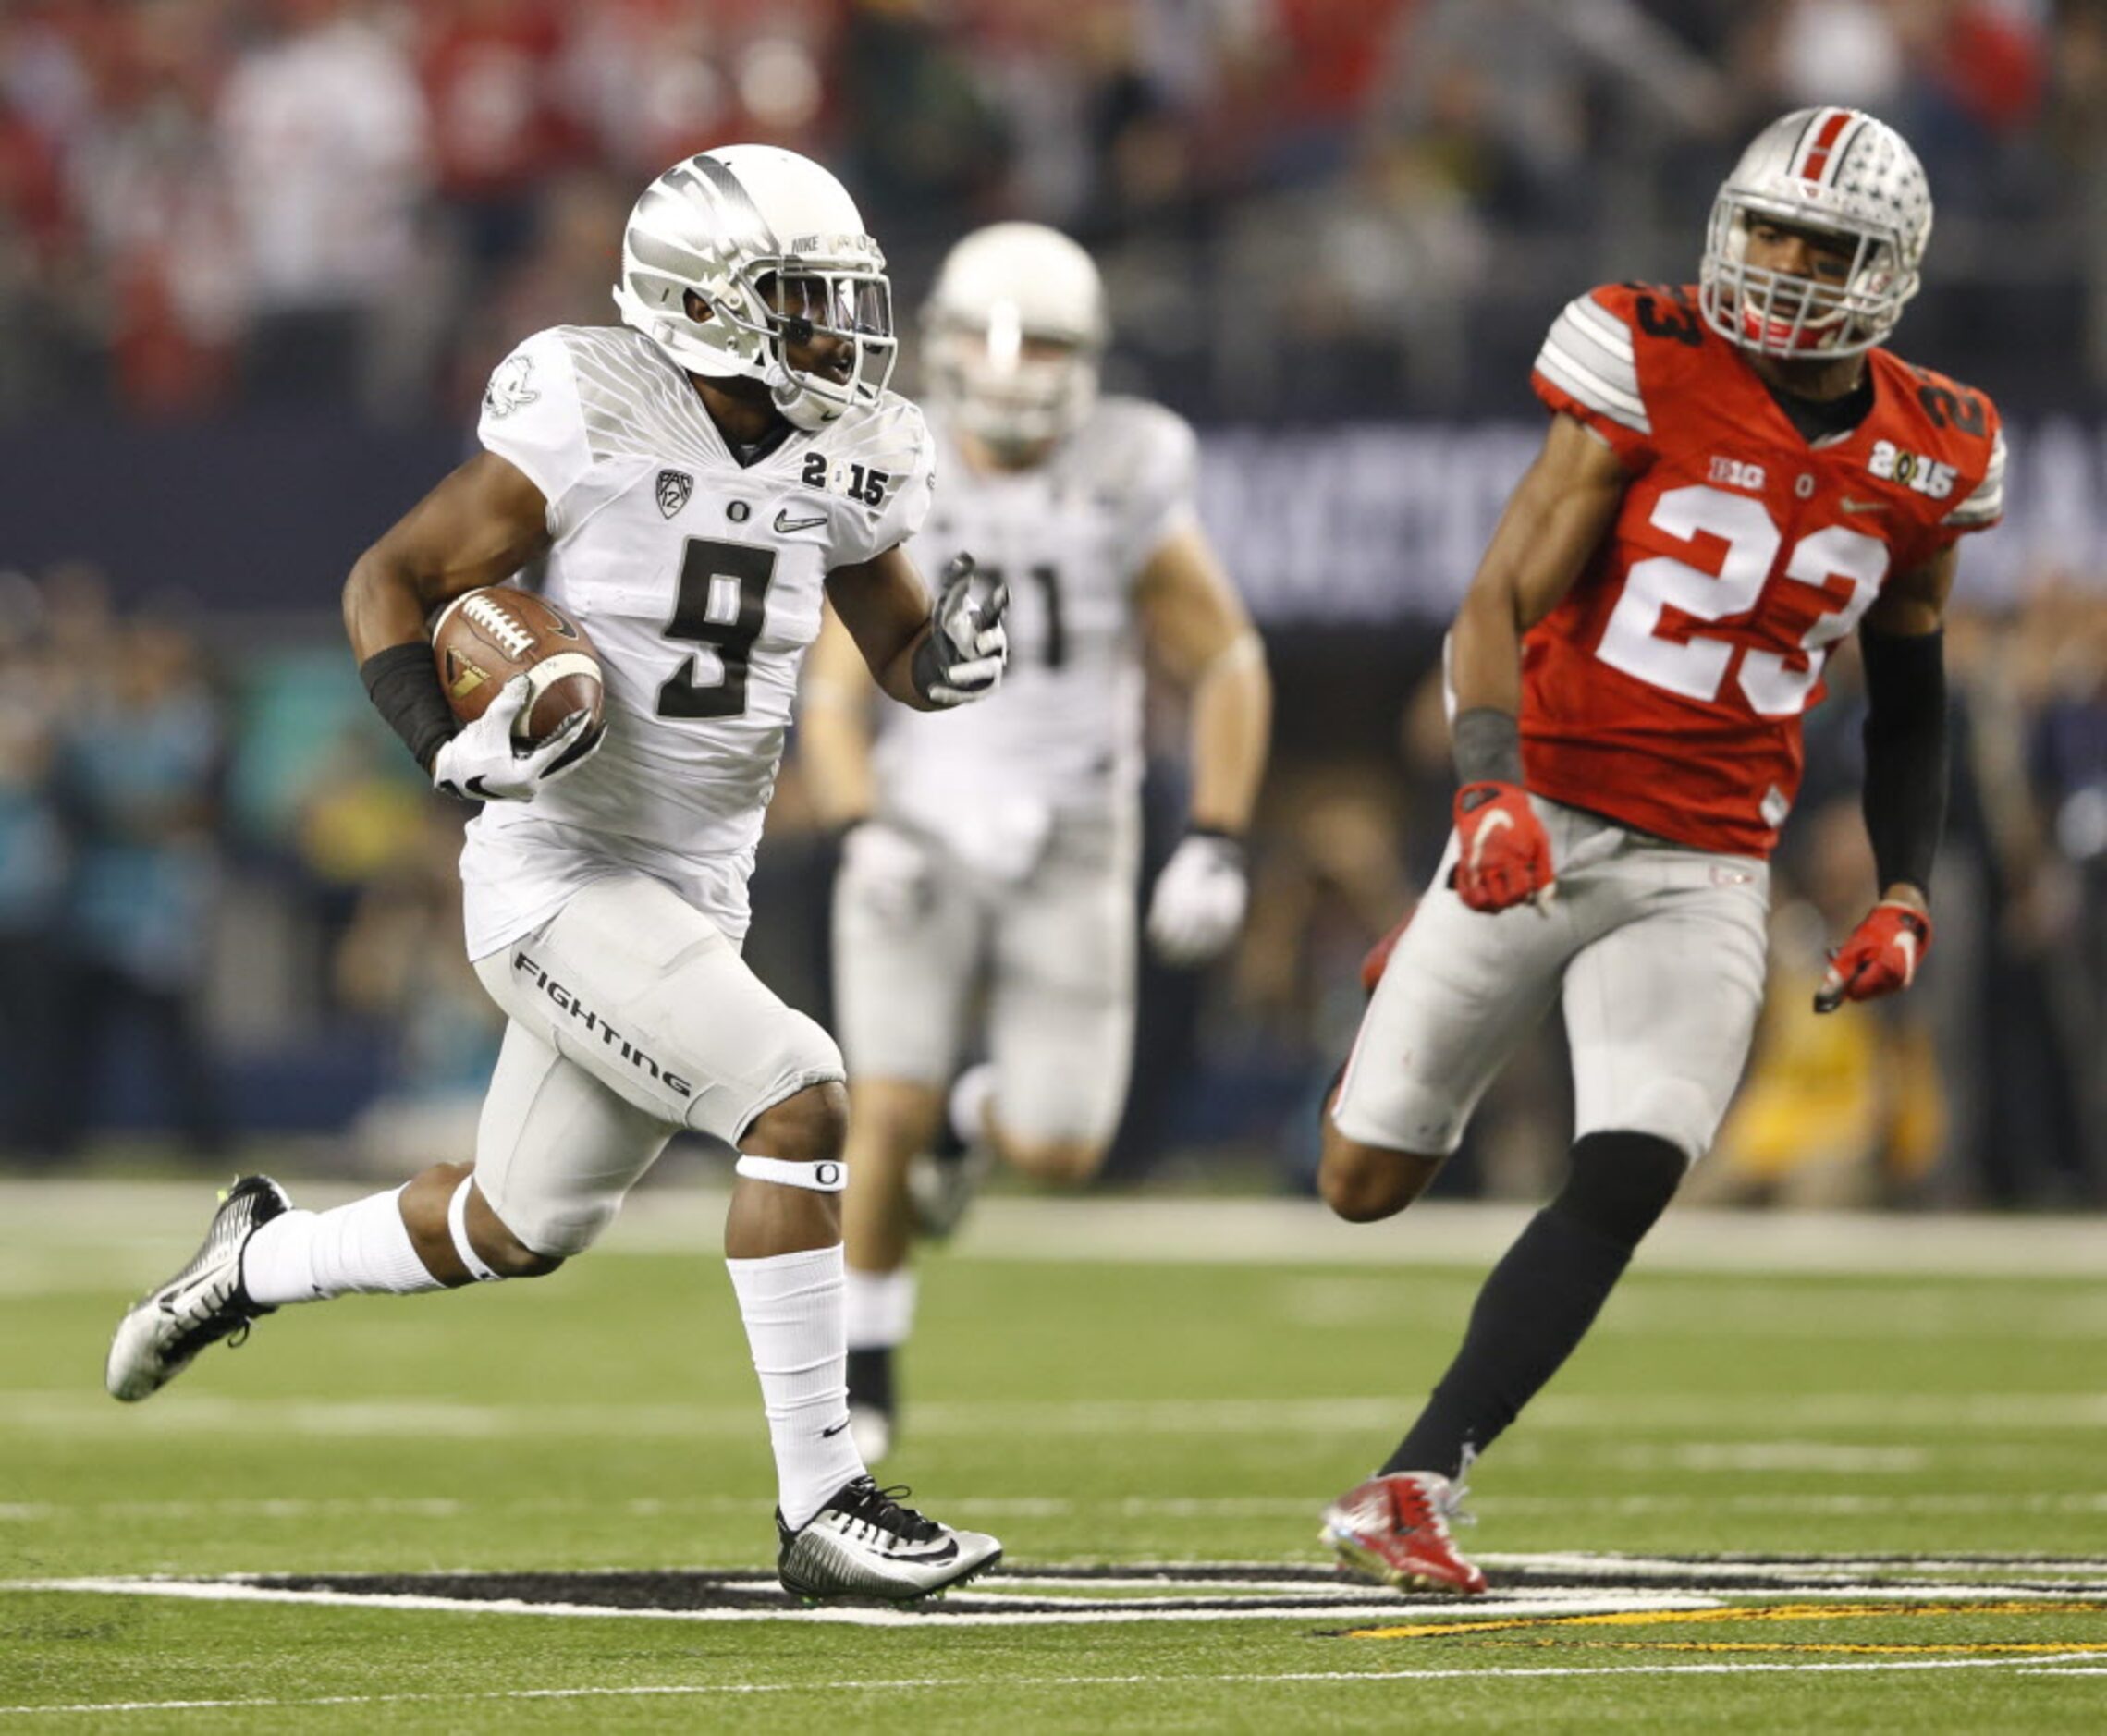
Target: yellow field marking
1964,1647
1772,1612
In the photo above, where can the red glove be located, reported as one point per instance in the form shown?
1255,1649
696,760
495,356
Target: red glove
1880,958
1502,854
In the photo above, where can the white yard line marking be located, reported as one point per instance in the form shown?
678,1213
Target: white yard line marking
1937,1416
1171,1231
2047,1664
297,1509
1205,1591
1371,1607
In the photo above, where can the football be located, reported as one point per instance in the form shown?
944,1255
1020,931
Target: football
485,638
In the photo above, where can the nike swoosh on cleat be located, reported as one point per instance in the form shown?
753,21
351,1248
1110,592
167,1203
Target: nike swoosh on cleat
784,524
934,1557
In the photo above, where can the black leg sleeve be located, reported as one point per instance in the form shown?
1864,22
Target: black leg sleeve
1543,1297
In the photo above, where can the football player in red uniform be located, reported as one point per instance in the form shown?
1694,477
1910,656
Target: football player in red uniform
1735,476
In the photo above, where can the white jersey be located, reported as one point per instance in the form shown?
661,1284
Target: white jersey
1070,537
699,580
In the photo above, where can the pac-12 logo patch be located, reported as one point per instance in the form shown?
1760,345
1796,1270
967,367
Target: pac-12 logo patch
674,487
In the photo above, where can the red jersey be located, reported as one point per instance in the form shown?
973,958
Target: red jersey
1665,691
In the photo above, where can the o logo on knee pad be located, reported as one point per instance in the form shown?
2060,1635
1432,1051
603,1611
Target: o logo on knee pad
827,1177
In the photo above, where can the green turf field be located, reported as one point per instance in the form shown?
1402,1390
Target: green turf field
1919,1405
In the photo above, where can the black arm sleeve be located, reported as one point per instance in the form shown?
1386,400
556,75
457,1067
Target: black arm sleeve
1906,753
403,683
1487,744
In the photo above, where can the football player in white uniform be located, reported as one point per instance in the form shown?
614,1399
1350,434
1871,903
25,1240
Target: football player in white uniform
999,860
691,483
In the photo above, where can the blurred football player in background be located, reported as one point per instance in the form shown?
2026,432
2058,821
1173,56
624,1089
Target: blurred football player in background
1735,477
998,862
692,484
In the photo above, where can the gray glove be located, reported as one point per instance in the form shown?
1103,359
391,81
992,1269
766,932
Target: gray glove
967,647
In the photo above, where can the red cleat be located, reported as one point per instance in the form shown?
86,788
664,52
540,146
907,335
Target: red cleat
1378,956
1394,1530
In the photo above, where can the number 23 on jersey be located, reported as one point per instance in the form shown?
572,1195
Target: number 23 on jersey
1699,665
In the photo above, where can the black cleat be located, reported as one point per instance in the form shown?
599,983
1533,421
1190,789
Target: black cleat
864,1544
942,1182
201,1304
871,1403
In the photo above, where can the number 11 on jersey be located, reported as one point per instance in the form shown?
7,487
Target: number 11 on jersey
1042,574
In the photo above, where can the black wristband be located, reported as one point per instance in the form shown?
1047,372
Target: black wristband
1228,845
1904,797
927,671
403,683
1487,744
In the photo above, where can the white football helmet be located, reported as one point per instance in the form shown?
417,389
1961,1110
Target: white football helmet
1839,171
1014,330
722,222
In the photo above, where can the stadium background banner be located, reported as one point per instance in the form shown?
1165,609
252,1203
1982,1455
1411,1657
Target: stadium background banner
1340,524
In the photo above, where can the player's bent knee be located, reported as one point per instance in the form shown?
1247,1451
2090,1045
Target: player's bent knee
810,1126
534,1245
511,1258
1064,1162
1620,1182
1366,1183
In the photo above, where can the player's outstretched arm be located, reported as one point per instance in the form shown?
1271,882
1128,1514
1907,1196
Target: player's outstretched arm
833,728
927,659
1200,634
481,524
1553,523
1904,797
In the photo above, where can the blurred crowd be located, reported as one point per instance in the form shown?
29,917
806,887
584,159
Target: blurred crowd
229,908
225,908
1310,206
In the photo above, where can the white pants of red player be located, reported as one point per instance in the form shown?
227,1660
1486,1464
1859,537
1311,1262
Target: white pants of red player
1655,949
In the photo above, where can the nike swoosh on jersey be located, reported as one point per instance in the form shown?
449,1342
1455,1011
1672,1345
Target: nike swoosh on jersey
784,524
1850,505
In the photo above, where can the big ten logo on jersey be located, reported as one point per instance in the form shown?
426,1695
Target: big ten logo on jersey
1926,475
1738,473
859,481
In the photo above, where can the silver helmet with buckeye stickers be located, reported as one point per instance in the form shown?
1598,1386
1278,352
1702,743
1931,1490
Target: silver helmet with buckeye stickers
1839,173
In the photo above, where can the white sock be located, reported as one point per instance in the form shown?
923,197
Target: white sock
309,1256
881,1308
971,1092
792,1304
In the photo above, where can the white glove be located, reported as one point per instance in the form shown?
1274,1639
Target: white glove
1198,902
968,647
483,763
888,870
